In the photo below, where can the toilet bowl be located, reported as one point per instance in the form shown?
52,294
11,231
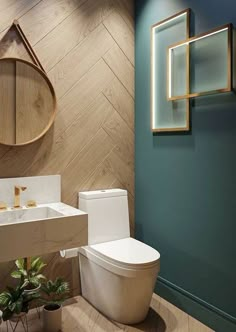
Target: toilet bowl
118,273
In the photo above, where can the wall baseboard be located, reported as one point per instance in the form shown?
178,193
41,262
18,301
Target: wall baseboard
215,318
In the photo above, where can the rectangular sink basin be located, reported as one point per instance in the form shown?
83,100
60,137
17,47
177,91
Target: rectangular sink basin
28,214
44,229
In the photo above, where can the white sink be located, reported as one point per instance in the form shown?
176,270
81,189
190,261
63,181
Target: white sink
28,214
49,227
40,230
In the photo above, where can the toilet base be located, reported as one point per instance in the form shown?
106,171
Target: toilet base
120,298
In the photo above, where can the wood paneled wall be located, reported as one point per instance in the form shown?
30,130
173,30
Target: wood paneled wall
87,50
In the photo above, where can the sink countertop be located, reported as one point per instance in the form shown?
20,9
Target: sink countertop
60,207
40,230
63,208
39,212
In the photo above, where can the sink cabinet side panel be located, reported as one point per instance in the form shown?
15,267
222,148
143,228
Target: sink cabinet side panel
42,236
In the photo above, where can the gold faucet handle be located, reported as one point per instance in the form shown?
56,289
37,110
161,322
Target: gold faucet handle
21,188
17,191
31,203
3,206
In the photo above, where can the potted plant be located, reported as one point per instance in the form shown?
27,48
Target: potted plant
54,294
29,271
14,304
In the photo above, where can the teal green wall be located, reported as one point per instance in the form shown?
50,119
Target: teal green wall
186,183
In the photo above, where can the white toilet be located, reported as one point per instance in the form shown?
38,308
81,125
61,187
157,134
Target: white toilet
118,273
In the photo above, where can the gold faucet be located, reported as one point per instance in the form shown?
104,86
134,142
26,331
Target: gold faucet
3,206
18,190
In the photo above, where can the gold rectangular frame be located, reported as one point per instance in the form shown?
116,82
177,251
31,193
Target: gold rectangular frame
152,83
189,95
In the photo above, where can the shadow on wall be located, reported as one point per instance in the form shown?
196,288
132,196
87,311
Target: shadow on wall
7,42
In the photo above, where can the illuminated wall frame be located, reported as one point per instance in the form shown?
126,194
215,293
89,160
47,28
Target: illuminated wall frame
196,66
167,115
221,35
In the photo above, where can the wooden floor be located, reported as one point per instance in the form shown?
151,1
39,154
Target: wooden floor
80,316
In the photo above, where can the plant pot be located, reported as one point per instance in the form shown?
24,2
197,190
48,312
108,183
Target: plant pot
31,291
52,318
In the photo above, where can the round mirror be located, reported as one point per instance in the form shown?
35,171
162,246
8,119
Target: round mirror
27,102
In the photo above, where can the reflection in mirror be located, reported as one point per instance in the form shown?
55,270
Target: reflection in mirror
27,102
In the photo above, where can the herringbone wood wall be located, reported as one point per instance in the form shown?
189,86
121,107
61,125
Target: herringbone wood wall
87,50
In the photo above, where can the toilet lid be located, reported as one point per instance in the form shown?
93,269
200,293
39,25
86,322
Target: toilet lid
127,251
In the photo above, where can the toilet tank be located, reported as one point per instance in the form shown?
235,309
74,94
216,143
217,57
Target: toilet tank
108,215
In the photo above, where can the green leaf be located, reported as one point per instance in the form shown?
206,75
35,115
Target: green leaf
15,293
40,266
34,262
36,265
14,300
26,283
23,272
5,295
34,281
63,288
16,274
40,276
45,289
20,263
18,306
12,306
56,291
5,298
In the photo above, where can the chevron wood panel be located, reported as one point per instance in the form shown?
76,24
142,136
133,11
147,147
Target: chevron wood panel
87,50
121,67
73,29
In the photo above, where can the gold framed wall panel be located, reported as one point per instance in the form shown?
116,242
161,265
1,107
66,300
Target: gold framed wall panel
228,88
177,112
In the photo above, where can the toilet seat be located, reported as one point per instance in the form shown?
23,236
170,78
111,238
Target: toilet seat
125,257
128,252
